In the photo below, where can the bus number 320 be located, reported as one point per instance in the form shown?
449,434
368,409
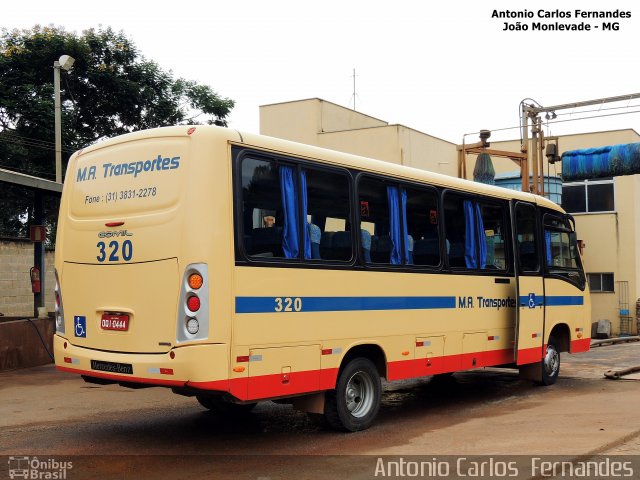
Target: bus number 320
288,304
113,251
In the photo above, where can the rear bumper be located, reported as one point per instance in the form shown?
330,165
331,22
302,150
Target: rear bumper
202,367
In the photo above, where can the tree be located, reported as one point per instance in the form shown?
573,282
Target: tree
111,90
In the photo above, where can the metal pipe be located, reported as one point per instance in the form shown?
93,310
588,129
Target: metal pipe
616,374
58,120
619,98
606,341
524,148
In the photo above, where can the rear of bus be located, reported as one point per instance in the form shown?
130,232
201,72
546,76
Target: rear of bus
144,235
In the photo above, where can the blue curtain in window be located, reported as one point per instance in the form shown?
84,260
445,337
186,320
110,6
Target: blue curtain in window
291,221
470,254
547,241
398,229
405,231
482,240
474,233
394,225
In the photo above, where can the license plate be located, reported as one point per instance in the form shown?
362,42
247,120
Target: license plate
112,367
115,321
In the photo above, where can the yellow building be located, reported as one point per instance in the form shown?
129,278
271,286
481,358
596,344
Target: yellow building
317,122
607,212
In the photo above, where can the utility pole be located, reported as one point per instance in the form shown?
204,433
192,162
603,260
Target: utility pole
535,156
65,62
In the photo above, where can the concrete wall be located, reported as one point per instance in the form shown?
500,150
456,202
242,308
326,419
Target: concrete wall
16,258
21,344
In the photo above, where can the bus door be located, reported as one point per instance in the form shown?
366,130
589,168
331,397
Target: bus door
529,333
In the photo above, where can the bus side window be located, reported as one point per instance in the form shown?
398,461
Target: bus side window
328,215
527,241
457,238
262,208
475,234
422,226
374,219
494,239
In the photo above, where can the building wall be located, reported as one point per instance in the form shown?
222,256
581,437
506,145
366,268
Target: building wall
16,259
325,124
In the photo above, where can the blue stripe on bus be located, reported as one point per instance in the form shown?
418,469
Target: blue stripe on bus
554,301
563,300
339,304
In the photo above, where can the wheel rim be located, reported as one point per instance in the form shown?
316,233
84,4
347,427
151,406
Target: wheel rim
551,361
359,394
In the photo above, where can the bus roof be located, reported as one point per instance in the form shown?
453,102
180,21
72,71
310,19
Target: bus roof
327,156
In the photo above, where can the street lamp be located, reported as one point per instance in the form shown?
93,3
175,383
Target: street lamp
65,62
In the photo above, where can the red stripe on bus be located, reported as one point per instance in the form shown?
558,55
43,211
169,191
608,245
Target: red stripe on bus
530,355
581,345
270,386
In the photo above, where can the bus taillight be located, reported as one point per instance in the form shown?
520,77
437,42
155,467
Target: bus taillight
193,303
195,281
59,311
193,316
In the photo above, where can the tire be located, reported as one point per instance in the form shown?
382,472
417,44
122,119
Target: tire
550,363
355,402
224,407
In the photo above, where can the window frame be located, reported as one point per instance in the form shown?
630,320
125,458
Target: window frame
601,274
585,184
538,239
501,203
400,184
242,257
562,273
354,176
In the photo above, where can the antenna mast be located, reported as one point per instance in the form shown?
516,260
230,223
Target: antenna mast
354,89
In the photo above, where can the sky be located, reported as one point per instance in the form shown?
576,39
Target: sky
445,68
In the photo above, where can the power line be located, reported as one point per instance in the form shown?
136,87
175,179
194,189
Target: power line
30,142
561,121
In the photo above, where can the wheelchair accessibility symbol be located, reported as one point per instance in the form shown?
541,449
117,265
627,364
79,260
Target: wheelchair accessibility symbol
80,325
532,300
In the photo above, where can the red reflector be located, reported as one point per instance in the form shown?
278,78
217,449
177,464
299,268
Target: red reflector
193,303
67,359
419,344
114,224
242,359
191,130
166,371
327,351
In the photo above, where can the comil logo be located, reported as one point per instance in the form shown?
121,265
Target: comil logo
34,468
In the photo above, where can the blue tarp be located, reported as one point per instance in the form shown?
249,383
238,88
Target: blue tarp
601,162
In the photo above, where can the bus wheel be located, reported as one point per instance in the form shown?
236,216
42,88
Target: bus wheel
355,402
551,363
224,407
